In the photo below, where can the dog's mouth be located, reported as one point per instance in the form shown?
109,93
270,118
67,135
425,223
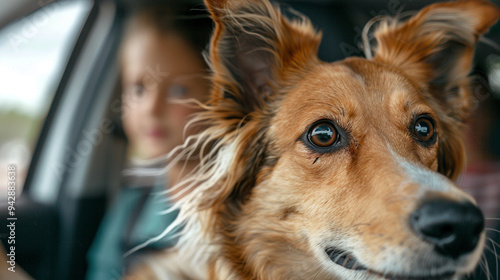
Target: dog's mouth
346,260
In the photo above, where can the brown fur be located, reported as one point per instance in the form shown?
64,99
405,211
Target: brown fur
264,205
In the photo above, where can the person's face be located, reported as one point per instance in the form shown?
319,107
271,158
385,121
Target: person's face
156,69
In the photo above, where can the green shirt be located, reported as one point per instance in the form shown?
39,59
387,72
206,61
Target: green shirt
133,219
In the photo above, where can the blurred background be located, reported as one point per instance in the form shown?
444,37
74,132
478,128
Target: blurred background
33,52
59,85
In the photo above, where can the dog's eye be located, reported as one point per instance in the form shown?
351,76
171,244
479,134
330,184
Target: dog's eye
323,134
424,131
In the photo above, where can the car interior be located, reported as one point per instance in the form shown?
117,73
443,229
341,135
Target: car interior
80,150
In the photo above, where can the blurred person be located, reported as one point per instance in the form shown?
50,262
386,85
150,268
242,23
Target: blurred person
161,59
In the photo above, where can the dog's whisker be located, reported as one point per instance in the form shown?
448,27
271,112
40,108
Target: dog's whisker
496,255
482,265
492,229
493,242
488,248
486,266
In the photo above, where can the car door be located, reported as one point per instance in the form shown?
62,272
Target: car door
60,204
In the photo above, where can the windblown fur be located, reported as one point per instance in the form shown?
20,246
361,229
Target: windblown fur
261,204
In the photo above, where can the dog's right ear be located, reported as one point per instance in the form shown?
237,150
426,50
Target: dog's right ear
254,50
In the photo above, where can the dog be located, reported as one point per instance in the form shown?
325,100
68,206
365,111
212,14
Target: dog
344,170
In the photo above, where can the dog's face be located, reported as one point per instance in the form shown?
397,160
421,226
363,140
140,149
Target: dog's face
340,170
358,160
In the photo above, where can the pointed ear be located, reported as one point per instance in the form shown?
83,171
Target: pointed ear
254,50
435,48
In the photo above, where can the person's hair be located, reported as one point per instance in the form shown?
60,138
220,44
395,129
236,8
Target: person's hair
190,23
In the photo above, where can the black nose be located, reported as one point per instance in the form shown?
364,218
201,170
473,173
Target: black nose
452,227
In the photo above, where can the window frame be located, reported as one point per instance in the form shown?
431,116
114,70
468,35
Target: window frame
69,67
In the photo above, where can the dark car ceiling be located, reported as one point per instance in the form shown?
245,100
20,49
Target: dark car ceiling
12,10
348,17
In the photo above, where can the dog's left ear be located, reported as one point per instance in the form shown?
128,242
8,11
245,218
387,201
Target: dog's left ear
435,49
254,48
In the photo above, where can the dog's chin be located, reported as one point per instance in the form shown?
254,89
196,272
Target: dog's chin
351,265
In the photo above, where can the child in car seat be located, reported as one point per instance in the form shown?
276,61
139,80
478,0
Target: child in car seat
161,59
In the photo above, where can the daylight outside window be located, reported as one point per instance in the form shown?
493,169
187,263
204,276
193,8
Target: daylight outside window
33,54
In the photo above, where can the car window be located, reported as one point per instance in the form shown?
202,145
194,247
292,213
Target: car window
33,55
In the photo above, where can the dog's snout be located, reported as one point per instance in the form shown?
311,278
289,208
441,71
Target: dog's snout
454,228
